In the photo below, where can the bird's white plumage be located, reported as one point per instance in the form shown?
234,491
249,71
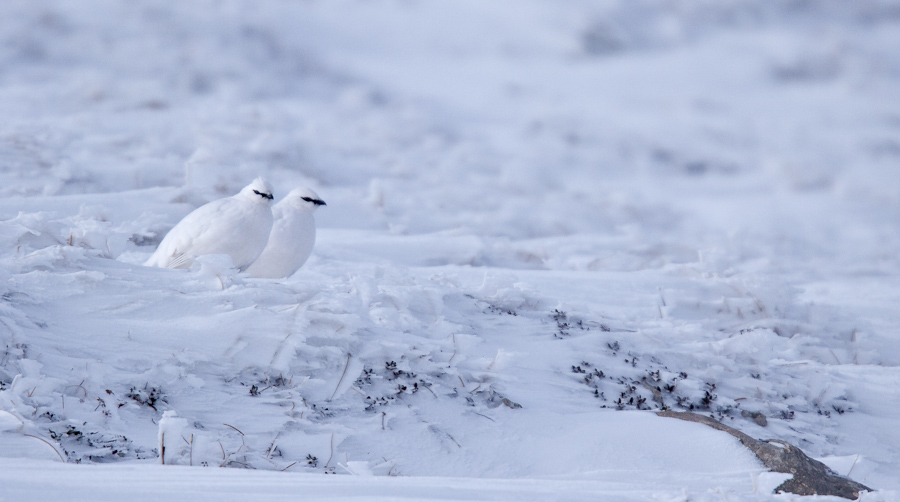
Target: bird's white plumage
292,238
238,226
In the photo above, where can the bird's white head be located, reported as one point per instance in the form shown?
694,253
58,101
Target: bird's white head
304,198
259,191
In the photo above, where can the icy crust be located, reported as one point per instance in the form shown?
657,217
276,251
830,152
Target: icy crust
351,362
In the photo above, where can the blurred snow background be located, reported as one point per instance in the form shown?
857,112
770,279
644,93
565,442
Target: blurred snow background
520,196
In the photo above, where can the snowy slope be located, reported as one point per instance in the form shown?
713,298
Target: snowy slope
544,220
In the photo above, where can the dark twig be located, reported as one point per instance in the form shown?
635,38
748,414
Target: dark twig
346,365
48,444
332,451
235,428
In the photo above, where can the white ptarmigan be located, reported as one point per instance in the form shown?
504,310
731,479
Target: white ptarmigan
292,238
238,226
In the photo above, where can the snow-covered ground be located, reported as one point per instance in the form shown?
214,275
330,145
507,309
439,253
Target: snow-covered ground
544,219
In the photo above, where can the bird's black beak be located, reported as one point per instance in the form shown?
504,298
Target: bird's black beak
263,195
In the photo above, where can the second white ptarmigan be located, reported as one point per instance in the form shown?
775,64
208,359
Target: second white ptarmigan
293,236
238,226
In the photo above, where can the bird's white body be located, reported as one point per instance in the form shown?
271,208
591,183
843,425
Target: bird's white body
293,236
238,226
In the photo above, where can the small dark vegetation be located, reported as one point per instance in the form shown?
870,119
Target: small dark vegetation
147,396
384,386
78,445
626,380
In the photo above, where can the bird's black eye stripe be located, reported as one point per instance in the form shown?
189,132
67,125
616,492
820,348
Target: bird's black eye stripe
263,195
314,201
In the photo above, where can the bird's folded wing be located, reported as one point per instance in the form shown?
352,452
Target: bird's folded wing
178,260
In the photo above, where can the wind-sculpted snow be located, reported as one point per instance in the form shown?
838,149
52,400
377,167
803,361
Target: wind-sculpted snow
347,358
541,224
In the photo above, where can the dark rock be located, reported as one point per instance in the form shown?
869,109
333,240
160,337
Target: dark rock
810,477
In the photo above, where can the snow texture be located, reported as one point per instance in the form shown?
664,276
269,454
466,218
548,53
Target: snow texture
543,221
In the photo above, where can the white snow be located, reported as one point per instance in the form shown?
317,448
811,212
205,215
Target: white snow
171,434
538,214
